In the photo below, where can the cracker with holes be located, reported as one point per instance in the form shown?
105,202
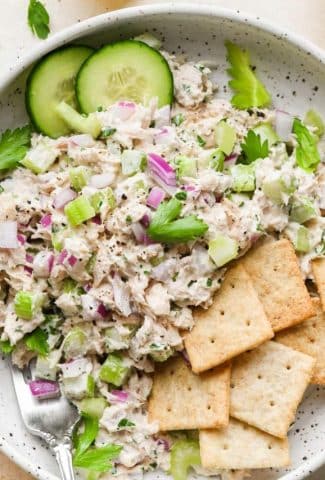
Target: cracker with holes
234,323
309,338
267,385
276,275
240,446
318,267
181,400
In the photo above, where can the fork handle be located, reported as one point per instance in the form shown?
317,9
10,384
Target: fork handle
64,458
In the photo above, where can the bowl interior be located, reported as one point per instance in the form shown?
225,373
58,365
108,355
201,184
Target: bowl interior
296,79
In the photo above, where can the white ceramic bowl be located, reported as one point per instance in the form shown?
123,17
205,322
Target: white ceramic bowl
294,72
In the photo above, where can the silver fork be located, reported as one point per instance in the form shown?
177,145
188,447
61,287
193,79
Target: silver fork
53,420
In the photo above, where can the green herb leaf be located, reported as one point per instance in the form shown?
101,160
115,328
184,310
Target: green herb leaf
38,19
181,195
107,132
200,141
253,148
164,228
14,145
249,90
125,423
307,154
83,440
5,347
178,119
97,459
37,342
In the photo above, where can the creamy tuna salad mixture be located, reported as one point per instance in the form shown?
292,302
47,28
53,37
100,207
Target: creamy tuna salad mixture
105,250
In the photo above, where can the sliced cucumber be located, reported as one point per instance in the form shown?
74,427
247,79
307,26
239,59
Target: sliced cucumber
125,70
50,82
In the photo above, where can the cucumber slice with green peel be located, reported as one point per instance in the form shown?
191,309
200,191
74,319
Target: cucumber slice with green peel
51,82
125,70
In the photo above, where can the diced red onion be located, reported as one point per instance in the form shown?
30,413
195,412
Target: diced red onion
90,307
283,124
164,136
43,264
96,219
8,235
46,221
102,180
87,287
231,159
120,395
61,257
63,197
83,140
29,258
123,110
21,239
29,270
162,116
50,262
103,312
44,389
145,220
139,231
155,197
72,260
165,443
162,173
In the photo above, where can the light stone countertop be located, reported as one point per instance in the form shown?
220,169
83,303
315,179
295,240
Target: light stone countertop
304,17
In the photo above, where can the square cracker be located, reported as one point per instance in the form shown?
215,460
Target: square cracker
309,338
234,323
276,275
318,267
267,385
240,446
181,400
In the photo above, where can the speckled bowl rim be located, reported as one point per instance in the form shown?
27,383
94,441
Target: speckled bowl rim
89,26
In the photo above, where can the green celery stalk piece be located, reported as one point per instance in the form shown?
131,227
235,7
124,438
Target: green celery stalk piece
179,231
302,243
186,166
217,159
243,178
79,177
184,454
266,132
275,189
93,407
75,343
133,161
114,370
222,249
27,304
302,211
77,122
225,137
313,119
79,210
307,154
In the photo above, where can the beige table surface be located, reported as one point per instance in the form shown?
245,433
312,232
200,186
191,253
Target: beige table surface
306,17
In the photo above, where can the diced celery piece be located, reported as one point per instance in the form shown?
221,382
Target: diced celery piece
77,122
79,210
75,343
47,367
302,243
314,119
222,249
76,387
114,370
217,159
266,132
276,189
91,264
149,39
104,197
302,211
186,166
184,454
133,161
160,353
225,136
27,304
115,340
94,407
40,159
243,177
91,386
79,177
57,238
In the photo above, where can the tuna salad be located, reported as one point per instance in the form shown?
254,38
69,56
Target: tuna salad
120,210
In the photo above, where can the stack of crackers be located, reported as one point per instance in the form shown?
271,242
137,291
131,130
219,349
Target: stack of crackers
252,355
